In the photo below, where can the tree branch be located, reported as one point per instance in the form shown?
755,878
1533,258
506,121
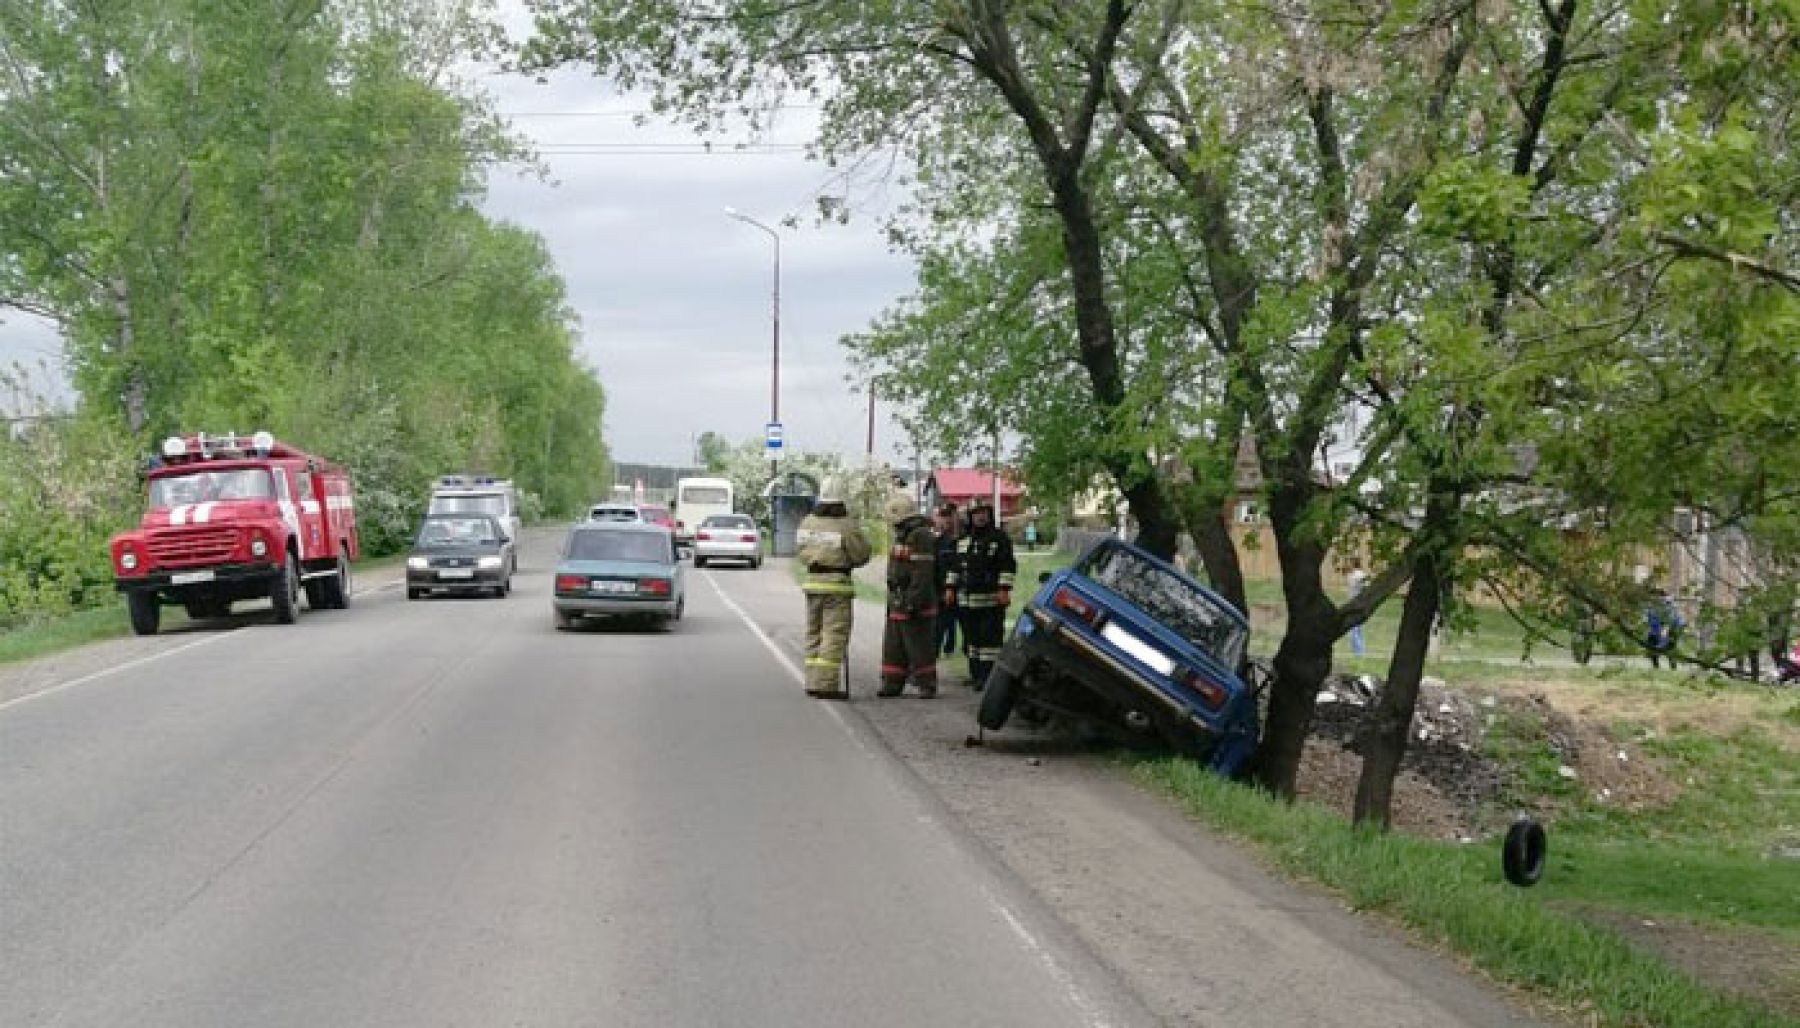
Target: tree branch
1691,248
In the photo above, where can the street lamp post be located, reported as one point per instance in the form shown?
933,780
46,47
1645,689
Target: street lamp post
775,323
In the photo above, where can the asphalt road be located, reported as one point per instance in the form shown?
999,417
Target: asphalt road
447,813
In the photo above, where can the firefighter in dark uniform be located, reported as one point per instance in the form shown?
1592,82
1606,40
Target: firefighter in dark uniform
948,533
981,584
908,646
830,546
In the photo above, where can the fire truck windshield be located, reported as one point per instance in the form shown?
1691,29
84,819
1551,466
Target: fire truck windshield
212,486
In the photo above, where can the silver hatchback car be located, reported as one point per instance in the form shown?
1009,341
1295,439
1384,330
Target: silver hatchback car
728,537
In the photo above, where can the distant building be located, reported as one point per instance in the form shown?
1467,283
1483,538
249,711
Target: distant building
963,485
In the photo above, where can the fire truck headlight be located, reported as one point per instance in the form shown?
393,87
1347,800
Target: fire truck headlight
128,561
417,563
174,446
258,548
488,562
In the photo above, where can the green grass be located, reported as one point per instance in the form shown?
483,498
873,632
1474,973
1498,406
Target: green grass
43,637
1454,895
53,635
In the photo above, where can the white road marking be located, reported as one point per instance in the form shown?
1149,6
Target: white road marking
785,661
1089,1014
1071,990
116,668
150,657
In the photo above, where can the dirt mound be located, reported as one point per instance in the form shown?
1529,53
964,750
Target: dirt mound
1452,785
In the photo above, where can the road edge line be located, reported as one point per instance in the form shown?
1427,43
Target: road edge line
115,669
1073,992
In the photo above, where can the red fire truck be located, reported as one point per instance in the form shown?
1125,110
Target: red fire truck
231,518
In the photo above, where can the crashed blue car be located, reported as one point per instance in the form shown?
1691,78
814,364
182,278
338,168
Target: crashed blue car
1124,643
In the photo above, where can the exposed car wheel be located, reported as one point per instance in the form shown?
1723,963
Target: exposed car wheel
755,563
506,584
315,595
997,698
337,587
146,613
564,622
1522,855
680,607
284,593
413,594
699,561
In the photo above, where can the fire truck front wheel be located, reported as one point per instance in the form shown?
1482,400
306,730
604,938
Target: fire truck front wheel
284,592
146,613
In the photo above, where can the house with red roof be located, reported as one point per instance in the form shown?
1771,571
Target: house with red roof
963,485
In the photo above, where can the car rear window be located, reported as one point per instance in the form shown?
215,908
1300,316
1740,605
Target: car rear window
719,521
1172,600
649,547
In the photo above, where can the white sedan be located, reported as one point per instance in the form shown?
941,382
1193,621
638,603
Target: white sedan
728,537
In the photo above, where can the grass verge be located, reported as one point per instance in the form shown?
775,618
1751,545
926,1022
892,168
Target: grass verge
1453,895
51,635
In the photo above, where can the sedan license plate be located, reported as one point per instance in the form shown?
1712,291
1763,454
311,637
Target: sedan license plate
614,587
1146,654
190,577
457,573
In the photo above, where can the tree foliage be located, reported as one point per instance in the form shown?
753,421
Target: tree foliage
264,215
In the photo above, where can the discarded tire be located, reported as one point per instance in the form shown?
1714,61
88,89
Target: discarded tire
1522,856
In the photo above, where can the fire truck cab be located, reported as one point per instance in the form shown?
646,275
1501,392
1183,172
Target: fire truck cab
230,518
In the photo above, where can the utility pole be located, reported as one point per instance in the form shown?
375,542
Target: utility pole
870,445
775,324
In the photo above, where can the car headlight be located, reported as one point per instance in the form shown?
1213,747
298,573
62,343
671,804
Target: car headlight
258,547
417,563
128,561
489,562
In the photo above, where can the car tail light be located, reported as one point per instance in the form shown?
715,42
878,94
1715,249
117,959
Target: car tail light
747,537
571,583
1072,602
704,535
654,586
1211,693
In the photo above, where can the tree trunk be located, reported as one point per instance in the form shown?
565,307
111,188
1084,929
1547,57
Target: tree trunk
1304,658
1158,527
1382,737
1204,514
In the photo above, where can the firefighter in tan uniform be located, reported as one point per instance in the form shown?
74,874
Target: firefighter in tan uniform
909,644
830,545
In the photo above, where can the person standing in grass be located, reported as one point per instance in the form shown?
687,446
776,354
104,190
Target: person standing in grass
1663,626
1357,580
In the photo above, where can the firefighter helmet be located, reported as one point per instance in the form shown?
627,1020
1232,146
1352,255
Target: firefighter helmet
901,506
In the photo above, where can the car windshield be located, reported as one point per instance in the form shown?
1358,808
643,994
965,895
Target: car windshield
648,547
476,503
439,532
211,486
743,523
1172,600
705,494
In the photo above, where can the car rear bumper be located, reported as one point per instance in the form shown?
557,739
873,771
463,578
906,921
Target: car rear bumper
1113,680
727,551
593,606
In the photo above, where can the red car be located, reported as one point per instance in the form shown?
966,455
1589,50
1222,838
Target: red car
657,516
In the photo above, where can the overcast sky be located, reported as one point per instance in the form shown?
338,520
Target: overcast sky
674,296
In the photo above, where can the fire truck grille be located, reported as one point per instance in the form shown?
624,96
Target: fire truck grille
193,546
